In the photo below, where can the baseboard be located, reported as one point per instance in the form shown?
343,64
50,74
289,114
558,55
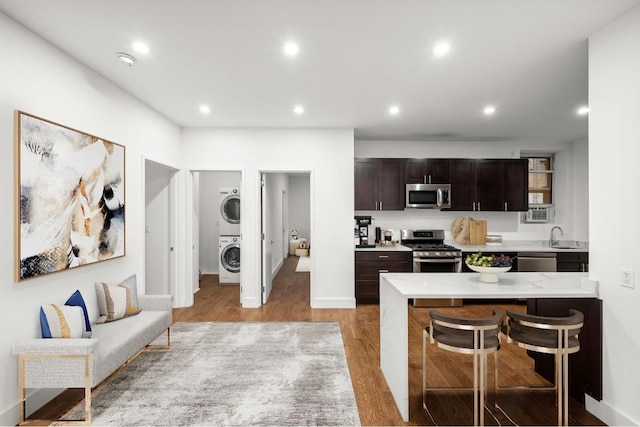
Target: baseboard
610,416
35,401
333,303
251,302
277,268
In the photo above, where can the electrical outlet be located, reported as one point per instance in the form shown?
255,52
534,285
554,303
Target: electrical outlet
628,279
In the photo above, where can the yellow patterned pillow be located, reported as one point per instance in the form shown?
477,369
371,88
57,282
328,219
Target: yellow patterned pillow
62,321
116,301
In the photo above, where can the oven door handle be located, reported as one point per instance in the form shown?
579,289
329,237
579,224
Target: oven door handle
437,260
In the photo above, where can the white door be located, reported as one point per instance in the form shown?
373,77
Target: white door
266,241
159,227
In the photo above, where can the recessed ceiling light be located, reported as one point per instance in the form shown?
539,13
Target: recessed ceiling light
141,47
394,110
204,109
489,110
298,109
583,111
291,49
125,58
441,48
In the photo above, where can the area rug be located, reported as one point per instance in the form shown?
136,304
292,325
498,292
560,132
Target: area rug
234,374
304,264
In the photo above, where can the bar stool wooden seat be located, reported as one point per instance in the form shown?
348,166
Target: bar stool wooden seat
550,335
476,336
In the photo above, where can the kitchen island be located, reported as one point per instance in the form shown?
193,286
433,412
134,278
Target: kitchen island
397,288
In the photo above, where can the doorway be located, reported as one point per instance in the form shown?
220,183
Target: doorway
285,206
217,200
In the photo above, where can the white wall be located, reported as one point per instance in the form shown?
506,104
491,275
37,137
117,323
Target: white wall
42,80
614,133
299,213
570,168
209,199
157,238
328,154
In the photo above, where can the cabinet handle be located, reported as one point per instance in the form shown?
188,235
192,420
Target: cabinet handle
473,206
380,204
478,205
383,271
429,179
377,205
505,206
582,267
424,179
383,256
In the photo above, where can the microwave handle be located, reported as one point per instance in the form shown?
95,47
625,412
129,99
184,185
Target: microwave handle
439,197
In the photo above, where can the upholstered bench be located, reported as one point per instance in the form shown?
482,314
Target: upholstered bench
86,362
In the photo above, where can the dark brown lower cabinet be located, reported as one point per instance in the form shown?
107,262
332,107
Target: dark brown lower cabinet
369,265
573,261
585,366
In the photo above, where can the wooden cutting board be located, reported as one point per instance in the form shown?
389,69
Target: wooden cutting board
477,232
460,229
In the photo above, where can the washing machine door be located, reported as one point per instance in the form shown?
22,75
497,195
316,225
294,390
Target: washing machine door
230,257
230,209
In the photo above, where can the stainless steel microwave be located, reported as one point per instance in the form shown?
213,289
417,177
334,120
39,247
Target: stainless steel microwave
428,196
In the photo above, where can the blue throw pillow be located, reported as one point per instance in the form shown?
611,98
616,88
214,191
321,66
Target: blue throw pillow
77,300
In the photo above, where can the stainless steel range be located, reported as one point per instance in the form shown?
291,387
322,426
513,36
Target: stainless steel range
432,255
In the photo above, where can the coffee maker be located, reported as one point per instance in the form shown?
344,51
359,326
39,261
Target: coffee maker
362,230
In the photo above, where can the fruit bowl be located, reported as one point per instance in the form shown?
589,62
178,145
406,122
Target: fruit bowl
489,274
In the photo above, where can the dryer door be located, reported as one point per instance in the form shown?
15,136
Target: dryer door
230,209
230,257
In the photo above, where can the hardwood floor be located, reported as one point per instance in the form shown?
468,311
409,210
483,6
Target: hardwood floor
289,301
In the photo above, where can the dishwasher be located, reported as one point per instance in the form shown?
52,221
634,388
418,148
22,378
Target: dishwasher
537,261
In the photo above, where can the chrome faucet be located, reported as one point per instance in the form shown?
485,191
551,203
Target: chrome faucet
552,241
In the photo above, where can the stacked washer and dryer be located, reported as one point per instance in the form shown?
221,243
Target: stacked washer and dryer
229,235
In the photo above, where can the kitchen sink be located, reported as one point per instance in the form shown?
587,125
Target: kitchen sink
563,244
568,244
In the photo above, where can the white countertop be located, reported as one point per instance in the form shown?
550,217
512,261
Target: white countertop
507,246
510,285
385,248
517,246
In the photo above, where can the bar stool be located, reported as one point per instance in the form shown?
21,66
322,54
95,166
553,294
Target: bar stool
550,335
476,336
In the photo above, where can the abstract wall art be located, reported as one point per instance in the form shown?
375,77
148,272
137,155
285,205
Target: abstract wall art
70,194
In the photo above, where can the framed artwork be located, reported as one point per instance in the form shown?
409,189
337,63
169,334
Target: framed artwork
70,194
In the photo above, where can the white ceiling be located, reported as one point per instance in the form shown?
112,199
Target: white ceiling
358,57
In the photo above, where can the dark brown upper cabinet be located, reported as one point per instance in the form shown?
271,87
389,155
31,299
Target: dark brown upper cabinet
379,184
515,184
426,171
489,184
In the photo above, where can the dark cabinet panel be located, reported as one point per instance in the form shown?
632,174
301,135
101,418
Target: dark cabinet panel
585,366
463,184
415,171
391,184
379,184
489,184
366,184
426,171
573,261
515,184
369,265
